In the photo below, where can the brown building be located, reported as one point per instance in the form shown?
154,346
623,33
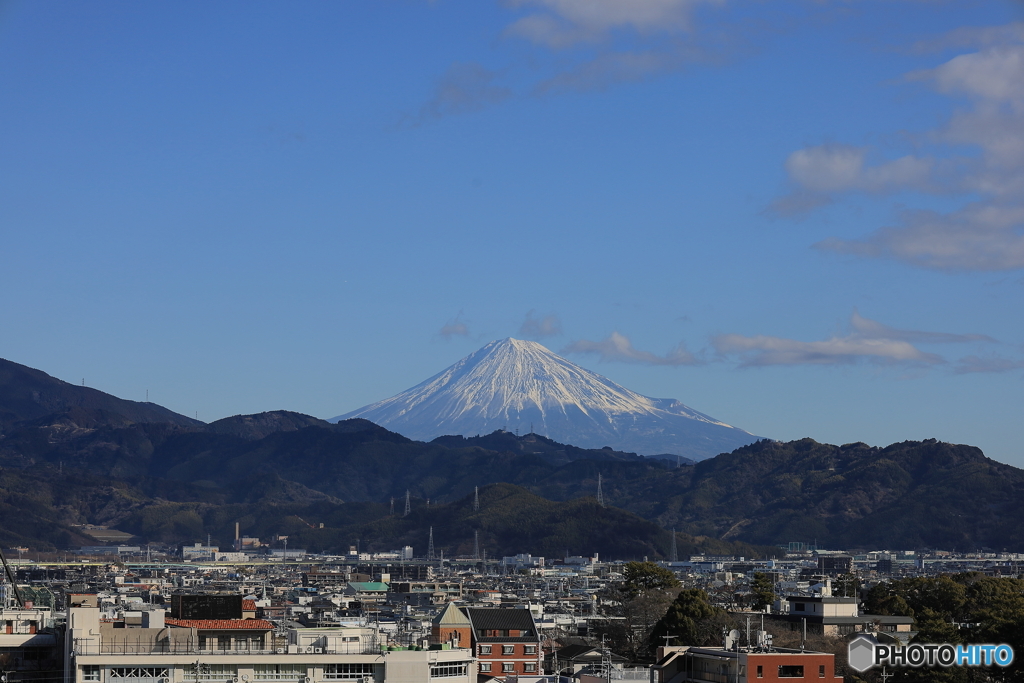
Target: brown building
685,664
506,641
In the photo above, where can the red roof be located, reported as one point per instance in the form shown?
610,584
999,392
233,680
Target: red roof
222,624
248,605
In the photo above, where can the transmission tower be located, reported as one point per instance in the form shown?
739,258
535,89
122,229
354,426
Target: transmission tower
673,555
476,545
600,493
430,545
392,513
408,507
476,499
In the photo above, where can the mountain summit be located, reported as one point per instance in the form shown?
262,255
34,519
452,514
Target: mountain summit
515,384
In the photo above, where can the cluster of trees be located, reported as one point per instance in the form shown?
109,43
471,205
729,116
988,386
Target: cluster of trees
968,608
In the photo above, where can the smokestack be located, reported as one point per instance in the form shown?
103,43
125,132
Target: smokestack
236,531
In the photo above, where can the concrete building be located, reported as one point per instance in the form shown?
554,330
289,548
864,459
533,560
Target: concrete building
232,652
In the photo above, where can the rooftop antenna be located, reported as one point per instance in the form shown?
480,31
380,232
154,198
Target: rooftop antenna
476,499
600,493
476,545
408,507
673,555
430,545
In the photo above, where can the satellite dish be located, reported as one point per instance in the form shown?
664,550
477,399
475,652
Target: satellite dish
732,639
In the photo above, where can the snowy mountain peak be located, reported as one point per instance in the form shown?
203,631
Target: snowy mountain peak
518,384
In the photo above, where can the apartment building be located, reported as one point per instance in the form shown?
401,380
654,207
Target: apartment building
233,651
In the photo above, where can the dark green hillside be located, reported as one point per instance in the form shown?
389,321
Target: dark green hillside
911,494
26,394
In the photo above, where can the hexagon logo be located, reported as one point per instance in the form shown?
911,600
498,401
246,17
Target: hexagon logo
861,653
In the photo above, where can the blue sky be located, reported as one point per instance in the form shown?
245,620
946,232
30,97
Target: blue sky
803,218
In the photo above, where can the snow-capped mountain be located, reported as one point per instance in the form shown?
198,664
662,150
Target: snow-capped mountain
520,385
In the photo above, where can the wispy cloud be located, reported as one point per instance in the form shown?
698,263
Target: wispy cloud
463,88
539,328
454,328
872,329
989,363
618,348
562,23
867,340
979,156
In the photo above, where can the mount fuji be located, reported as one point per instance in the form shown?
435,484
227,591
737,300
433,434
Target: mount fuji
515,384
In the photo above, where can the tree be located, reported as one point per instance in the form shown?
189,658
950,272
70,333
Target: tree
691,619
641,577
762,591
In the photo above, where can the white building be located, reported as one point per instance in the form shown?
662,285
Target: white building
243,651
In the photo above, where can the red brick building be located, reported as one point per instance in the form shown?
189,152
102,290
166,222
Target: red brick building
683,664
505,641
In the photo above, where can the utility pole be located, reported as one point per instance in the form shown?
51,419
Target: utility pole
476,545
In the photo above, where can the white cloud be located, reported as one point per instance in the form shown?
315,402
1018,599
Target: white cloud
982,154
822,170
534,328
995,73
868,340
618,347
454,328
980,237
561,23
764,350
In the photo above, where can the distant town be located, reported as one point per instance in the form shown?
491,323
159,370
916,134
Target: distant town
260,611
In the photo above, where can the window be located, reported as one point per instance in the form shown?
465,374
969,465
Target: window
336,672
530,649
212,672
799,606
791,671
485,667
449,670
508,666
136,672
821,671
485,649
91,672
508,649
531,667
760,671
278,672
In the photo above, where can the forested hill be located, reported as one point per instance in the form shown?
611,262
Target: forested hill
27,393
176,481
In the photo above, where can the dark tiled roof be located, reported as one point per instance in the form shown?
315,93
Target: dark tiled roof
222,624
573,651
497,619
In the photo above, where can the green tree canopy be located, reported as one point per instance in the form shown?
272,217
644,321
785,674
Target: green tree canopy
641,577
691,619
762,591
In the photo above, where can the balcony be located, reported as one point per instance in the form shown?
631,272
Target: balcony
191,646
